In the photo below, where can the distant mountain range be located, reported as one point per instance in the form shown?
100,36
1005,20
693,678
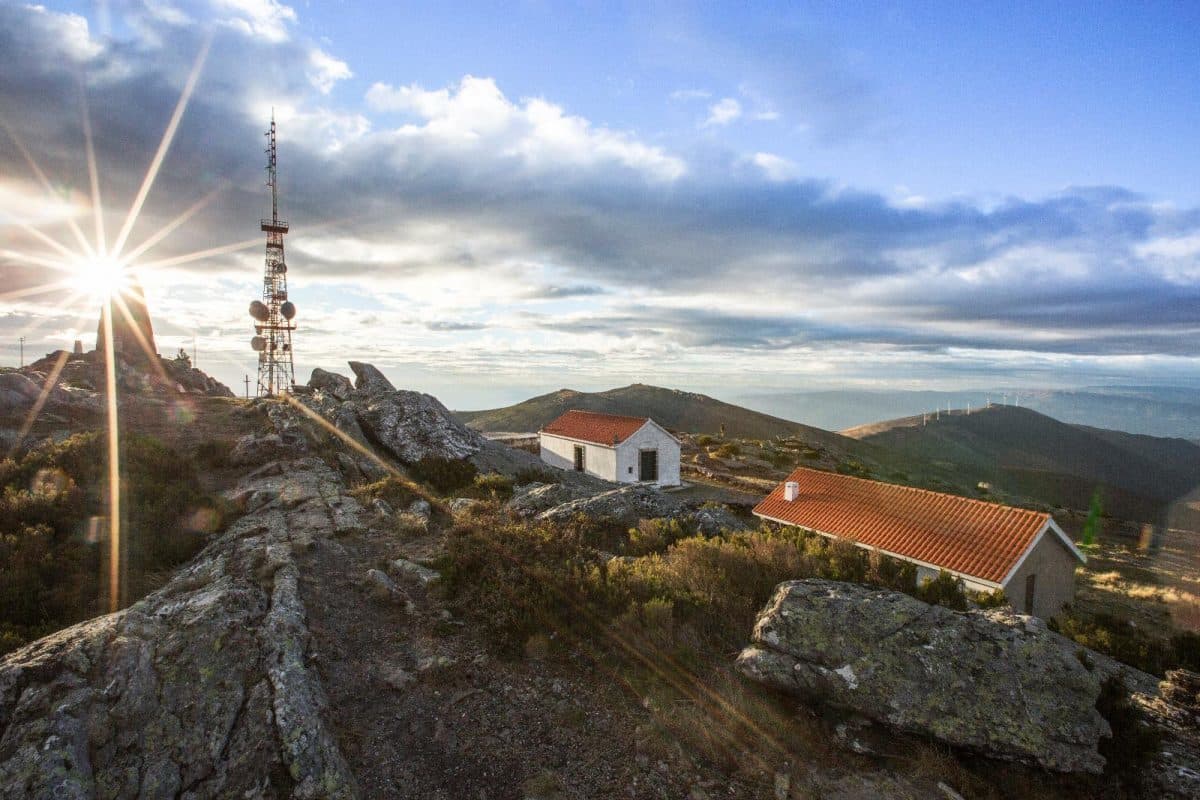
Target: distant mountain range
674,409
1031,454
1023,453
1151,410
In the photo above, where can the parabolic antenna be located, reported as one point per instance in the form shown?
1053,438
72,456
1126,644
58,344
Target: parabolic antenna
288,310
258,343
258,310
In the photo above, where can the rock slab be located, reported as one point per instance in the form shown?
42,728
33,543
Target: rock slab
994,682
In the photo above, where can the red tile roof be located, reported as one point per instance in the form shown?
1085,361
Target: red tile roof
969,537
592,426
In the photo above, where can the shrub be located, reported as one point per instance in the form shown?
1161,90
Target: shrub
1133,744
993,599
535,475
655,535
490,486
396,492
855,468
728,450
445,475
214,453
704,440
944,590
1115,637
52,520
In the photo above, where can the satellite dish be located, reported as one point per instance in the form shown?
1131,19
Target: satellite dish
258,343
288,310
281,267
258,310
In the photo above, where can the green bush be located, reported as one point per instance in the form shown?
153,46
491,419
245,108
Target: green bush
535,475
728,450
1115,637
704,440
519,577
53,528
1133,745
445,475
655,535
944,590
489,486
395,491
855,468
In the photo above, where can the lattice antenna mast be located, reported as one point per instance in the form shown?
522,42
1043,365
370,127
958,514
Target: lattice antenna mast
273,314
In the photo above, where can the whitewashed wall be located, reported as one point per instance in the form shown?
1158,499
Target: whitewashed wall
559,452
649,437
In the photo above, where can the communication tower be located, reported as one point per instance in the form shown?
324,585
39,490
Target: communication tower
273,314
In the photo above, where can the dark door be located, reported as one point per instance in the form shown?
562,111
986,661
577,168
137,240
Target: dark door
1030,588
579,463
648,466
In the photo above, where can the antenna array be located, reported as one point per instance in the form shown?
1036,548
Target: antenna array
273,314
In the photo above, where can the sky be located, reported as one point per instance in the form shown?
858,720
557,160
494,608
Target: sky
491,201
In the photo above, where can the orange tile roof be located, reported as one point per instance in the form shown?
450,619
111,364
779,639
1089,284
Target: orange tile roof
592,426
970,537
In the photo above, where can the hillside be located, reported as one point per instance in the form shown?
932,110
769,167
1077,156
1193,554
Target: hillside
672,408
1029,453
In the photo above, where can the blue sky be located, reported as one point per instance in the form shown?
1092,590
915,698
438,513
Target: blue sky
495,200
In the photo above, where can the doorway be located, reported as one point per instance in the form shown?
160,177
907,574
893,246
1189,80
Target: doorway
579,459
648,465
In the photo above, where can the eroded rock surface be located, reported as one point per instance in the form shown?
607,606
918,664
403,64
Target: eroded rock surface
991,681
202,689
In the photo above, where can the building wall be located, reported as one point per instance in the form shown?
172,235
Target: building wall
559,452
649,437
1054,566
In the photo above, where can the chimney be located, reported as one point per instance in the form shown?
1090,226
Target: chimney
791,490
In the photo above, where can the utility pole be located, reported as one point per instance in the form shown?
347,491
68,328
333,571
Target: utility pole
22,345
195,360
247,380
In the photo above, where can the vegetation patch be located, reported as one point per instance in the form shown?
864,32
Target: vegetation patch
54,529
445,475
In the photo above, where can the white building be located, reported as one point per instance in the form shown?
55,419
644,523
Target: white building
612,447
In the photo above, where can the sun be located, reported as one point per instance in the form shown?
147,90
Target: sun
102,278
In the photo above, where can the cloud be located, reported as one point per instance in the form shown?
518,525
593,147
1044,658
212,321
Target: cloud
723,112
266,19
325,70
456,225
475,116
685,95
775,168
450,325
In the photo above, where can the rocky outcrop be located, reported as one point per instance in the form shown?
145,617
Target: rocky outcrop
407,425
627,504
992,681
369,380
338,386
203,689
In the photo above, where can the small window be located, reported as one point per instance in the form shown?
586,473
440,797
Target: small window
579,459
631,470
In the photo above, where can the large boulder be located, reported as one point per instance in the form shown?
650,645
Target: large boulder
338,386
369,380
412,426
992,681
627,504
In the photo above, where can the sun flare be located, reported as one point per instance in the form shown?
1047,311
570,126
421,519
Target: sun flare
102,278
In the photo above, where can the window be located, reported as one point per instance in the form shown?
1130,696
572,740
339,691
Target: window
648,465
579,459
1030,589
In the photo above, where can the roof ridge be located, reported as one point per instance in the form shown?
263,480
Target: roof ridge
934,492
